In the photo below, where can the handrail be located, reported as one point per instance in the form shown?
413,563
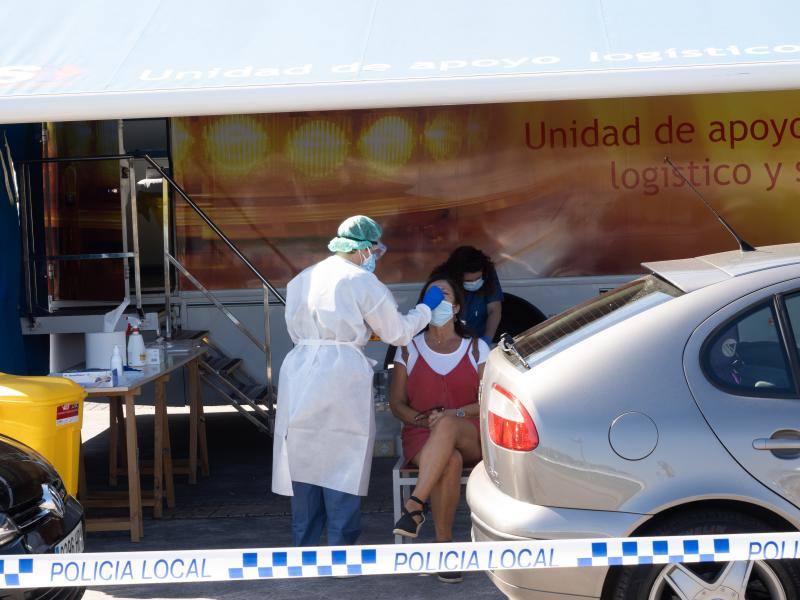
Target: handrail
214,228
222,308
67,159
266,286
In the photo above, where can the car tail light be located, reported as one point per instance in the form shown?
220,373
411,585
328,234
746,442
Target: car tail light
510,424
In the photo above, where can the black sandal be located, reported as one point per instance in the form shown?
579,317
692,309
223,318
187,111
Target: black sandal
406,525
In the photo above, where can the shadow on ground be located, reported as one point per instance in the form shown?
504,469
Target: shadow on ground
233,508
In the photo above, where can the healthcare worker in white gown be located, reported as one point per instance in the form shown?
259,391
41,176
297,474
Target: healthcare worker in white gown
325,421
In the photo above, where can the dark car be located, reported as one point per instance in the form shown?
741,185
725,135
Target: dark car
37,515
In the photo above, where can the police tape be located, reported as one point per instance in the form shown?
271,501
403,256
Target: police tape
185,566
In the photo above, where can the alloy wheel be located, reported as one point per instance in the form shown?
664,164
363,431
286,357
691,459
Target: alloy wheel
740,580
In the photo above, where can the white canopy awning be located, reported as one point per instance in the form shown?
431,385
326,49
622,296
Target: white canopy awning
95,59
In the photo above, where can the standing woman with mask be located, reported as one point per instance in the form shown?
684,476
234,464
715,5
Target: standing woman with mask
325,421
483,295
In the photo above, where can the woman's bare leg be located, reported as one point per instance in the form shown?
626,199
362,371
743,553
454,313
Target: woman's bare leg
450,433
445,496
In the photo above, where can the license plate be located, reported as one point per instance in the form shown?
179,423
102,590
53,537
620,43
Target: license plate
71,544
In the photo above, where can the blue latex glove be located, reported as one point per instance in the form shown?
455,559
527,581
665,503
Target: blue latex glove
433,297
487,339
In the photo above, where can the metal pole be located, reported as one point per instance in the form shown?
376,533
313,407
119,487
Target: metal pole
137,274
32,246
123,211
165,229
68,159
125,184
23,209
268,350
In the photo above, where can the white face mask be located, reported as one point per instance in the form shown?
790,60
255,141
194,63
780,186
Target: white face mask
442,313
473,286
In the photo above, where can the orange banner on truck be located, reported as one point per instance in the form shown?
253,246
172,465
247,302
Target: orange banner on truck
547,189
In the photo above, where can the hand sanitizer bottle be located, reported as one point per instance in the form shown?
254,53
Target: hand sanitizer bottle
137,355
116,366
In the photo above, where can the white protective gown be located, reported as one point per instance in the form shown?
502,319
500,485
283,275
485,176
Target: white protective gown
325,421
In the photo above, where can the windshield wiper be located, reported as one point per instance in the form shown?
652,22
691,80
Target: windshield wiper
508,346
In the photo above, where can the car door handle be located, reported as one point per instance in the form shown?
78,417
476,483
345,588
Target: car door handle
776,444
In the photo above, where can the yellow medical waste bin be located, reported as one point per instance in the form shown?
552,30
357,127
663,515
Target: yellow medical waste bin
46,414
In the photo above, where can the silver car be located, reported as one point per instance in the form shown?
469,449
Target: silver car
668,406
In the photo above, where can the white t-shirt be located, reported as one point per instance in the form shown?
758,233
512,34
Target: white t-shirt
441,363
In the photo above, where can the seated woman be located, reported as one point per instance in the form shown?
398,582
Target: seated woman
434,393
474,271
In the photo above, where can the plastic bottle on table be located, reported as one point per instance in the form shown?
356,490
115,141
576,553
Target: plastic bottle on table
137,355
116,366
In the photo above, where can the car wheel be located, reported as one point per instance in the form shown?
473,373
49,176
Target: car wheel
754,580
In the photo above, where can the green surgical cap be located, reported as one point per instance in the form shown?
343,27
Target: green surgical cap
355,233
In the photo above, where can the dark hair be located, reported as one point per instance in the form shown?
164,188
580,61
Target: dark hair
461,329
468,259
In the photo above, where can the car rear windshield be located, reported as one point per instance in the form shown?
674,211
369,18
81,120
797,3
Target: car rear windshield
593,315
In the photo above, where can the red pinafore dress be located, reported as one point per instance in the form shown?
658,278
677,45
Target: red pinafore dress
427,389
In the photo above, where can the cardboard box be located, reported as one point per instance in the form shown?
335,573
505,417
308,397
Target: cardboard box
100,378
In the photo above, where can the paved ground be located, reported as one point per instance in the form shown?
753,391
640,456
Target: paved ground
234,509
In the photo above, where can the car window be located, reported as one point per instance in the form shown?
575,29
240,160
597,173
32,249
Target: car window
747,356
593,316
793,310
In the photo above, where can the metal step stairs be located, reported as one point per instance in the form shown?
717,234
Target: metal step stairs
226,376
